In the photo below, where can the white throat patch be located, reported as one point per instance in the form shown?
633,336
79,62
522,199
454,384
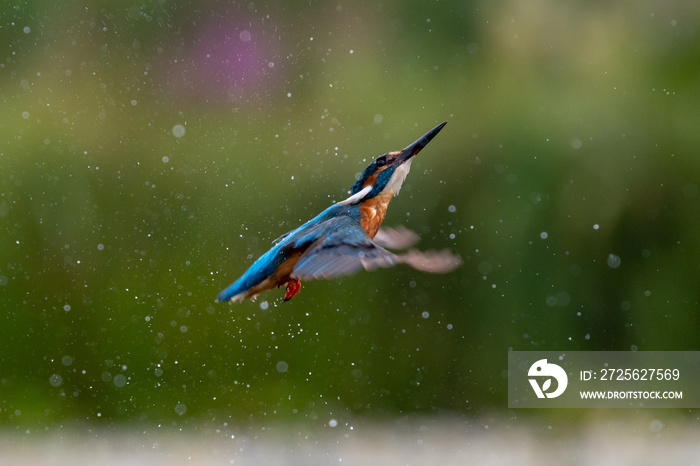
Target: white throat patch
398,177
393,186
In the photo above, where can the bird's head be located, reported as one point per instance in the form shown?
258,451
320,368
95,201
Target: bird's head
386,173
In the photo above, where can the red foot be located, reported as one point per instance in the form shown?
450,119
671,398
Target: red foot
293,287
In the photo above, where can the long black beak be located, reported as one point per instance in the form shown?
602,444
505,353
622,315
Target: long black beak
420,143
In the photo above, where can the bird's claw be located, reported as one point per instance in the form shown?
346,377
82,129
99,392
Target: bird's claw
293,287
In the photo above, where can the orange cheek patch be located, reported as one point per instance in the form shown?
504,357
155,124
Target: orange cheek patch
372,180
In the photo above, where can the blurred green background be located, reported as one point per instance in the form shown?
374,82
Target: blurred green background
151,150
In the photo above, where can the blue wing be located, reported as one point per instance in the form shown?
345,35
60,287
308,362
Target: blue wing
288,246
343,249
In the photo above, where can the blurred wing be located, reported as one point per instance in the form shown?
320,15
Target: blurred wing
345,250
431,261
398,238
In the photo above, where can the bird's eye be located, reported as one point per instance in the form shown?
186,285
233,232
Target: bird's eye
381,161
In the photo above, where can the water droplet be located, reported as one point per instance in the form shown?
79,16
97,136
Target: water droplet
614,261
178,131
282,367
55,380
180,409
485,268
119,380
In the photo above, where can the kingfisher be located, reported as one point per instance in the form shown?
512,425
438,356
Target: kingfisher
346,237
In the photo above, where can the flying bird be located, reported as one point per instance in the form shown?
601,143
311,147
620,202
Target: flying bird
346,237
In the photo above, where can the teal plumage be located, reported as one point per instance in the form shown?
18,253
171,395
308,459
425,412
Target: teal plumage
340,240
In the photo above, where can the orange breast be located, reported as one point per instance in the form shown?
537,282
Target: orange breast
373,212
